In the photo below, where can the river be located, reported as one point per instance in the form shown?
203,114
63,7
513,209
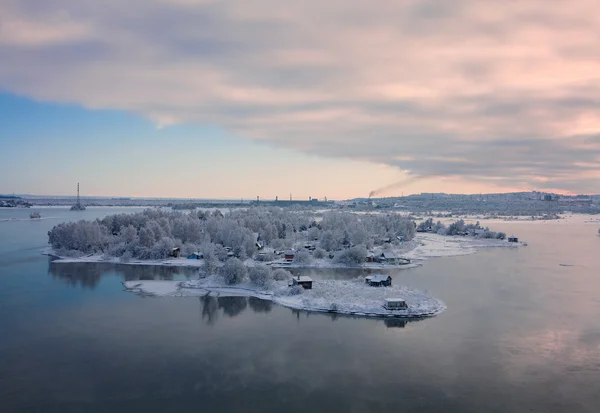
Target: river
521,334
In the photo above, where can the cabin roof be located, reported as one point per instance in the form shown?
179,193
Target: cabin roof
394,300
378,278
303,278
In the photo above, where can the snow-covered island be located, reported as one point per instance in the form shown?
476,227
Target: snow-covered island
273,236
245,252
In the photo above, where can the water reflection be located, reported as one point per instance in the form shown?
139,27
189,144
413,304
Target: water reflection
230,306
233,306
210,309
88,275
260,306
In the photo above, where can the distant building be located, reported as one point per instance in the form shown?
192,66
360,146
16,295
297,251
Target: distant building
175,252
513,239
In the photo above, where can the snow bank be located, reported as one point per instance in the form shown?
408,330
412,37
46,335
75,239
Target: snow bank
434,245
99,258
334,296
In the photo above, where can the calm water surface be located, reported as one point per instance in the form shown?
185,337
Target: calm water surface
521,334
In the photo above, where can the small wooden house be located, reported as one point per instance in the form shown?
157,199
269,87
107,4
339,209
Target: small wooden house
304,280
195,256
390,258
378,280
387,257
289,255
395,304
513,239
175,252
370,257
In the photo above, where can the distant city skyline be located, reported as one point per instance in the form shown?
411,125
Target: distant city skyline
224,100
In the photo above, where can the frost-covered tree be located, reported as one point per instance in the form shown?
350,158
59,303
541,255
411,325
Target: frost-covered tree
260,275
281,275
83,236
163,248
352,256
211,261
319,253
128,234
146,237
221,252
331,240
302,257
233,271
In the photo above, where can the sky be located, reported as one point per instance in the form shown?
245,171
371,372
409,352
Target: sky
238,99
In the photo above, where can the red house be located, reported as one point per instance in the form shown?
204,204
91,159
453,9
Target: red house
289,255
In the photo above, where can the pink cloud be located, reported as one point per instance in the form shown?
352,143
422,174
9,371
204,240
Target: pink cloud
480,90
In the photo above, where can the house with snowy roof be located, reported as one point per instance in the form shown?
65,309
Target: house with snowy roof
378,280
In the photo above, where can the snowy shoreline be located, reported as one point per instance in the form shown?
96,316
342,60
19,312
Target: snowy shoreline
351,297
425,246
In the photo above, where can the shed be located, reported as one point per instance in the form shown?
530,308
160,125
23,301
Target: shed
395,304
175,252
512,238
195,256
379,280
289,255
370,257
304,280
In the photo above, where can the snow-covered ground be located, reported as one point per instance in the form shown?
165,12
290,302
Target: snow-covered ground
336,296
327,263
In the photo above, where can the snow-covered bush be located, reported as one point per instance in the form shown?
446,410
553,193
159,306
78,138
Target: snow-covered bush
127,256
352,256
302,257
221,252
233,271
319,253
260,275
163,248
281,275
295,290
